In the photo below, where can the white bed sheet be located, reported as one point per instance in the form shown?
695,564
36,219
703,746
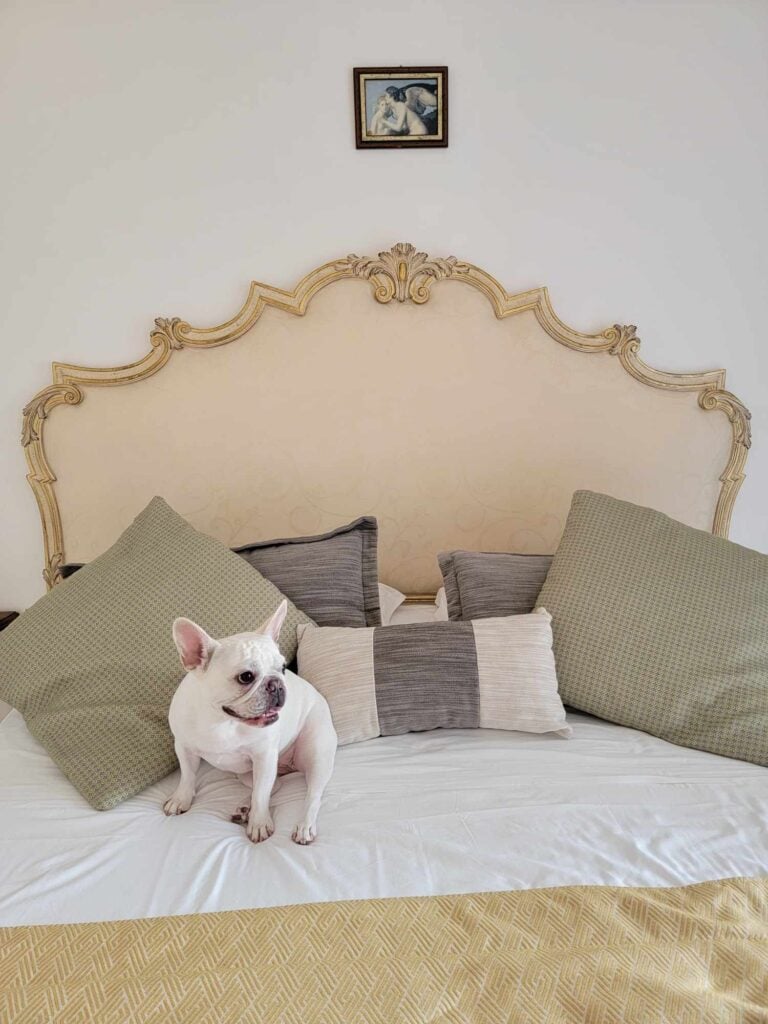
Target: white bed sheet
440,812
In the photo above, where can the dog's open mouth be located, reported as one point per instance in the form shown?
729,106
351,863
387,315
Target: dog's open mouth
267,718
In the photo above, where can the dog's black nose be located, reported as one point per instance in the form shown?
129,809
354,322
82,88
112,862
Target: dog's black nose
276,690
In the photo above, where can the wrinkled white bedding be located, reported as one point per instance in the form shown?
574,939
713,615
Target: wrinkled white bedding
427,813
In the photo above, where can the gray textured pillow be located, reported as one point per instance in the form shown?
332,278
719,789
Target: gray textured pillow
482,585
491,674
661,627
92,665
333,577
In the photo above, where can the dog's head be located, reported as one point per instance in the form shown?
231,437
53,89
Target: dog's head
242,674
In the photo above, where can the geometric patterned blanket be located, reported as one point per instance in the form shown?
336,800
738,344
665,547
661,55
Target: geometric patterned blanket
597,955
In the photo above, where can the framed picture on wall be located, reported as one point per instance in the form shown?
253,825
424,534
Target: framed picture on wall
401,107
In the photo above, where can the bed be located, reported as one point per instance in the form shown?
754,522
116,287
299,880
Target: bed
460,875
491,811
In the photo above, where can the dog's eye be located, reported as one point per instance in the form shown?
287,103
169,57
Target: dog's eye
246,678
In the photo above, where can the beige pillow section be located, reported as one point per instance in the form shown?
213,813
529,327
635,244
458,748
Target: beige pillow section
489,674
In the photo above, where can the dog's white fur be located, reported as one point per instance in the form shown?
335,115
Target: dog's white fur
275,721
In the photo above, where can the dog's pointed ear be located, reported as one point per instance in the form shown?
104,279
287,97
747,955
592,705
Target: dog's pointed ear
274,624
194,645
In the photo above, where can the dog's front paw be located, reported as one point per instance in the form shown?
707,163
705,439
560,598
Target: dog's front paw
304,834
258,831
178,803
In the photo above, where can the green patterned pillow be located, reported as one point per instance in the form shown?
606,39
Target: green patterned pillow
661,627
92,665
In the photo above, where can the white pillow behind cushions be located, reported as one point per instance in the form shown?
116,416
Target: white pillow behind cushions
388,680
437,612
389,601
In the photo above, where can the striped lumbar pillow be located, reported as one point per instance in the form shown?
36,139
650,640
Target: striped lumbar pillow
489,674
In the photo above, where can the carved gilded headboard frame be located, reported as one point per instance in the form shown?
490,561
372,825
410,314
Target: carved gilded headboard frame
403,275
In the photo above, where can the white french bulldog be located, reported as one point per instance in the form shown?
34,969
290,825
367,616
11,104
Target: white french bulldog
240,710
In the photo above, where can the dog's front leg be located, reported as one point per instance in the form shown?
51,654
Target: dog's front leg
181,799
314,753
260,825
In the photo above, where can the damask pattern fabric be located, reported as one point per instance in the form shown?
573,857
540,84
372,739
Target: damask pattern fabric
482,585
92,665
661,627
494,674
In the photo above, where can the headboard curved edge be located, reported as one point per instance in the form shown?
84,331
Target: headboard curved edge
399,275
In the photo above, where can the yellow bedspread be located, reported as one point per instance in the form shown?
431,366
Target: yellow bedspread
578,954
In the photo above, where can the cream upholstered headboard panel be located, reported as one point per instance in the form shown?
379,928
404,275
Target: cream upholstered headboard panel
405,387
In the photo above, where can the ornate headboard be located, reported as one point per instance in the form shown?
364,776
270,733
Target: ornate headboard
444,407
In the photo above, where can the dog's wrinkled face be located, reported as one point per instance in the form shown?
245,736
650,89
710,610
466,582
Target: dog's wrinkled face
245,678
242,674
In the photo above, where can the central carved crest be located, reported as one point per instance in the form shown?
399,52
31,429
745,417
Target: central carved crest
402,273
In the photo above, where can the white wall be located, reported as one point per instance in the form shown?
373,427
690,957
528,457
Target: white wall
157,156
